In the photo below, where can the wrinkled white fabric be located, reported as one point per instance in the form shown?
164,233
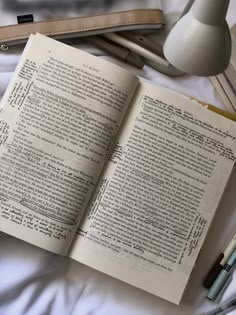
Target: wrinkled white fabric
36,282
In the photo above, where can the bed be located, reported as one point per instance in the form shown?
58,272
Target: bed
36,282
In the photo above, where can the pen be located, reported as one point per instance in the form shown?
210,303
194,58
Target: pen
148,55
224,308
214,272
223,257
119,52
232,117
144,42
222,278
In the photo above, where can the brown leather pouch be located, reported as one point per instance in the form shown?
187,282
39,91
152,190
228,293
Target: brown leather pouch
82,26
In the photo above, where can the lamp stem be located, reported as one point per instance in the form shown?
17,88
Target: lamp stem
186,8
211,12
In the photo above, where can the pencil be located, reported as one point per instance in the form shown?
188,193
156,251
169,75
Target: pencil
121,53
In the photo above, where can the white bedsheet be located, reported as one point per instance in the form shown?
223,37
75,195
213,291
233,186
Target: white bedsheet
36,282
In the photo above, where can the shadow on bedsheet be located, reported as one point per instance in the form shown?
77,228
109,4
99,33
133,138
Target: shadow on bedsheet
26,273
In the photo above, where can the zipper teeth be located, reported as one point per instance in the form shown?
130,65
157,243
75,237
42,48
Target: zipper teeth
4,47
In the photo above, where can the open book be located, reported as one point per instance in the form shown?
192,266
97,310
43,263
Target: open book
120,175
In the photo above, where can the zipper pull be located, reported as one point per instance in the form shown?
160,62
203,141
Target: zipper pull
4,47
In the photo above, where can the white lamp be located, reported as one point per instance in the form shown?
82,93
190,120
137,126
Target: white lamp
200,42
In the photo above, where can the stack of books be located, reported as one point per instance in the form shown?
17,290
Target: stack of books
225,83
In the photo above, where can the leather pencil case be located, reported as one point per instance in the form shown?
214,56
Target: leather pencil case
82,26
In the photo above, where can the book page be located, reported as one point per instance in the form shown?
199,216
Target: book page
59,118
159,193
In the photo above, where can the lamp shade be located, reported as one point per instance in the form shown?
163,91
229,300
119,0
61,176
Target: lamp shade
200,42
